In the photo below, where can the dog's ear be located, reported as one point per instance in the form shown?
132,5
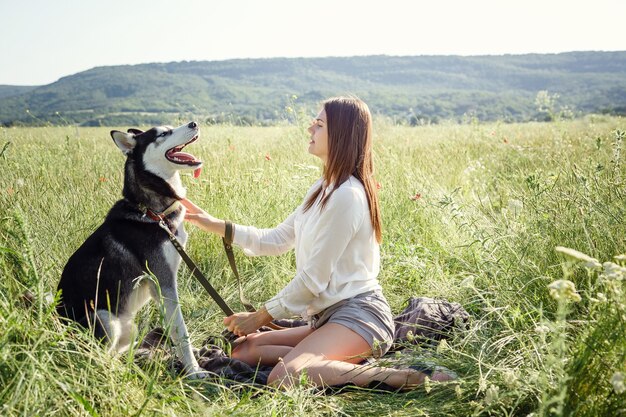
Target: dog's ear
125,141
135,131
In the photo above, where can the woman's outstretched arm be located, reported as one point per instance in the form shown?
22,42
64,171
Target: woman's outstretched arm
254,241
198,217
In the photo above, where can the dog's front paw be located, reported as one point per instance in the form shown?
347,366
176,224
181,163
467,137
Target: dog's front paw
198,373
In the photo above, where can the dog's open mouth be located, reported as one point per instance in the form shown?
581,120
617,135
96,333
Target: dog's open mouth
176,156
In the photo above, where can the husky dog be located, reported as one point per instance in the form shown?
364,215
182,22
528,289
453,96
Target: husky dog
108,279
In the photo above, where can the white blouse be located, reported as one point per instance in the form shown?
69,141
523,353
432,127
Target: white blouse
337,255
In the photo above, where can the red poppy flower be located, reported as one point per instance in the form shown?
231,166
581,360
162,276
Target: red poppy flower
416,197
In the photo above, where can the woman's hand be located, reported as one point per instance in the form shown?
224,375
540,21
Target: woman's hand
191,207
194,214
198,217
242,324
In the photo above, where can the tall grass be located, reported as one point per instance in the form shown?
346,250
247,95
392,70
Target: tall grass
471,213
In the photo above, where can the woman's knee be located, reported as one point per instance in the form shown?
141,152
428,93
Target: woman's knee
287,373
282,375
247,351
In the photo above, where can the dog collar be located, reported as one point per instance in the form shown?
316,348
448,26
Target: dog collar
158,216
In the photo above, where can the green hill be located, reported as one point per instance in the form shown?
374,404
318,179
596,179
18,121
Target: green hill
14,90
408,89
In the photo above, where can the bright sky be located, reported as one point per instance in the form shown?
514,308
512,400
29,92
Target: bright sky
43,40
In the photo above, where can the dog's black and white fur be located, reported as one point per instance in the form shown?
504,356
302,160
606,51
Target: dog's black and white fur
107,280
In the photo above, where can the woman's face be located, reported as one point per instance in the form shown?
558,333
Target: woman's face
318,145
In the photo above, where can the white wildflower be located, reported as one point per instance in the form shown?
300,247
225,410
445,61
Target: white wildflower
427,386
576,256
617,380
492,394
542,329
442,346
594,264
482,384
458,391
620,258
20,182
614,288
613,272
599,298
48,298
510,378
563,289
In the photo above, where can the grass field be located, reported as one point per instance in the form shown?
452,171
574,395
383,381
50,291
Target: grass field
472,213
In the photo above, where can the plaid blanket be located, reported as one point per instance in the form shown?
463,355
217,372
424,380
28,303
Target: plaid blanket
424,321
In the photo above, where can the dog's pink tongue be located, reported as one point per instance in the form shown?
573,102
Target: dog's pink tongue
196,172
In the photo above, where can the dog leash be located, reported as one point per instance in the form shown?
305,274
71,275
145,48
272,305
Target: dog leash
227,240
161,219
196,271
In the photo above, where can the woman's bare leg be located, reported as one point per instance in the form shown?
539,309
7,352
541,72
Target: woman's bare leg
330,354
266,348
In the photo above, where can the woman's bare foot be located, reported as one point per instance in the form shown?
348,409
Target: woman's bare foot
419,373
441,374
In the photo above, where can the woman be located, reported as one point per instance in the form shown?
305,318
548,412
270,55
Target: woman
336,233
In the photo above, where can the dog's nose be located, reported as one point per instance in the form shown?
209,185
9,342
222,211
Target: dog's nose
192,125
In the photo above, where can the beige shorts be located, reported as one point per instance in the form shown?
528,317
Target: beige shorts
367,314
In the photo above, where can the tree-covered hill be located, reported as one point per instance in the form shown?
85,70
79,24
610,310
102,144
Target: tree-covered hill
409,89
14,90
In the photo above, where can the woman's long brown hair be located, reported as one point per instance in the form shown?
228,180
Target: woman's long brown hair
349,125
